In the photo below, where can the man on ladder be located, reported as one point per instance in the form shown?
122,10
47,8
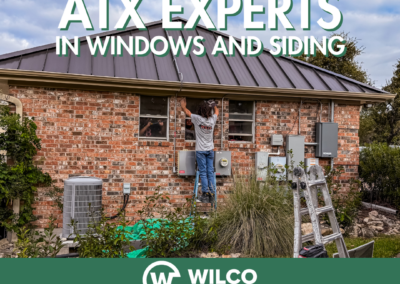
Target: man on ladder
204,122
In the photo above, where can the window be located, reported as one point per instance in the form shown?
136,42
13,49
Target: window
241,121
153,123
192,105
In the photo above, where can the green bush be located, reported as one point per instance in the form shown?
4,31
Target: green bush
257,218
37,244
380,174
347,203
103,239
170,232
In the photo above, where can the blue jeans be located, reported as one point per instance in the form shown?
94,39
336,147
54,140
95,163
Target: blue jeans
205,162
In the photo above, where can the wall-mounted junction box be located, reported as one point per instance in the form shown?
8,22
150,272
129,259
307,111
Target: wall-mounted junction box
309,162
262,165
327,135
187,163
278,163
223,163
277,140
127,188
296,145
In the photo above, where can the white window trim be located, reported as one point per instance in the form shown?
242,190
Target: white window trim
253,121
156,139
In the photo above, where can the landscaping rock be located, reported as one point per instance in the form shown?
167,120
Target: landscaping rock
375,224
235,255
226,256
306,228
3,243
209,255
367,233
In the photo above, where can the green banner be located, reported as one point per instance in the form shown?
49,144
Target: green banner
199,271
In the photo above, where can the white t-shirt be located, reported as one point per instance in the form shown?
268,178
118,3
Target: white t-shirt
204,132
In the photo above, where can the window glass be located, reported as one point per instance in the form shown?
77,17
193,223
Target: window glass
241,121
153,127
153,123
239,127
153,106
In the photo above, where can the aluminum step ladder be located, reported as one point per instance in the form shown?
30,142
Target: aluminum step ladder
196,191
309,186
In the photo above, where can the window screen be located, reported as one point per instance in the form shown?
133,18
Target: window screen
153,118
241,121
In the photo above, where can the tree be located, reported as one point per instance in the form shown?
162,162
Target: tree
381,123
346,65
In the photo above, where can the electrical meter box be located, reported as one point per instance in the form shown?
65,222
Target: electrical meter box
277,140
262,165
296,145
279,164
327,140
187,163
223,163
310,162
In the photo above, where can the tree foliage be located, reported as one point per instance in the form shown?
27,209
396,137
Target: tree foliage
381,123
347,65
19,176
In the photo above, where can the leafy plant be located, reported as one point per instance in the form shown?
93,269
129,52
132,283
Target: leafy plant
257,218
347,203
170,231
380,174
37,244
19,176
56,194
103,239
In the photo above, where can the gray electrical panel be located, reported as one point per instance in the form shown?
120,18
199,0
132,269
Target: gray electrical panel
327,140
296,145
278,163
187,163
262,165
277,140
223,163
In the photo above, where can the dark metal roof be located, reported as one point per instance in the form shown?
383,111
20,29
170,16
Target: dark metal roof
262,71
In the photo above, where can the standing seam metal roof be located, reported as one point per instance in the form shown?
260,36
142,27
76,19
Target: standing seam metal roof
262,71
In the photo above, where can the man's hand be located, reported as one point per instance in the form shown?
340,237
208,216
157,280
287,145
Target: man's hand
183,103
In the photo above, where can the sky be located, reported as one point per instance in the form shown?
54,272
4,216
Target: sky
375,23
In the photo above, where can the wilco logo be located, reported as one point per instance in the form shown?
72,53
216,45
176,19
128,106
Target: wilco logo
211,276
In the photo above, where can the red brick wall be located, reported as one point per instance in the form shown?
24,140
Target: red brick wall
96,134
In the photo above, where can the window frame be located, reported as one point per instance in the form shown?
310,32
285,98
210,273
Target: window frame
253,122
141,138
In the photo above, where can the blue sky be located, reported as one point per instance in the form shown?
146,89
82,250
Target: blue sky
376,23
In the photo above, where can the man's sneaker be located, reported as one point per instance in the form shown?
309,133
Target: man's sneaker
204,198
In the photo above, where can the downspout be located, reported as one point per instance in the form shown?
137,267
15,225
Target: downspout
332,120
180,74
222,123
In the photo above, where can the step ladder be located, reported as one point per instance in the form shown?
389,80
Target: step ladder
196,191
309,187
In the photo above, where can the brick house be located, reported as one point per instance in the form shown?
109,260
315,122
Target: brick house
90,112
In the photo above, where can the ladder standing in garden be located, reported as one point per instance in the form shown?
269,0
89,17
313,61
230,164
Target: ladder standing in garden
309,186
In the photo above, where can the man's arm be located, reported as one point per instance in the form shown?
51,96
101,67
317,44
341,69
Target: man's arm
216,111
183,105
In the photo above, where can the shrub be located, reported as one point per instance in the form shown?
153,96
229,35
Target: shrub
380,174
37,244
170,232
103,239
257,219
347,203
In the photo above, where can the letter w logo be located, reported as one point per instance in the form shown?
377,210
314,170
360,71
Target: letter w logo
161,279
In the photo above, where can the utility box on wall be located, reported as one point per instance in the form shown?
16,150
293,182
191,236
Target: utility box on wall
327,135
309,162
223,163
278,163
187,163
296,145
262,165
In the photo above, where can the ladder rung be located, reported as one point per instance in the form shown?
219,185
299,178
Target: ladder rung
304,211
307,238
322,210
316,182
332,237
